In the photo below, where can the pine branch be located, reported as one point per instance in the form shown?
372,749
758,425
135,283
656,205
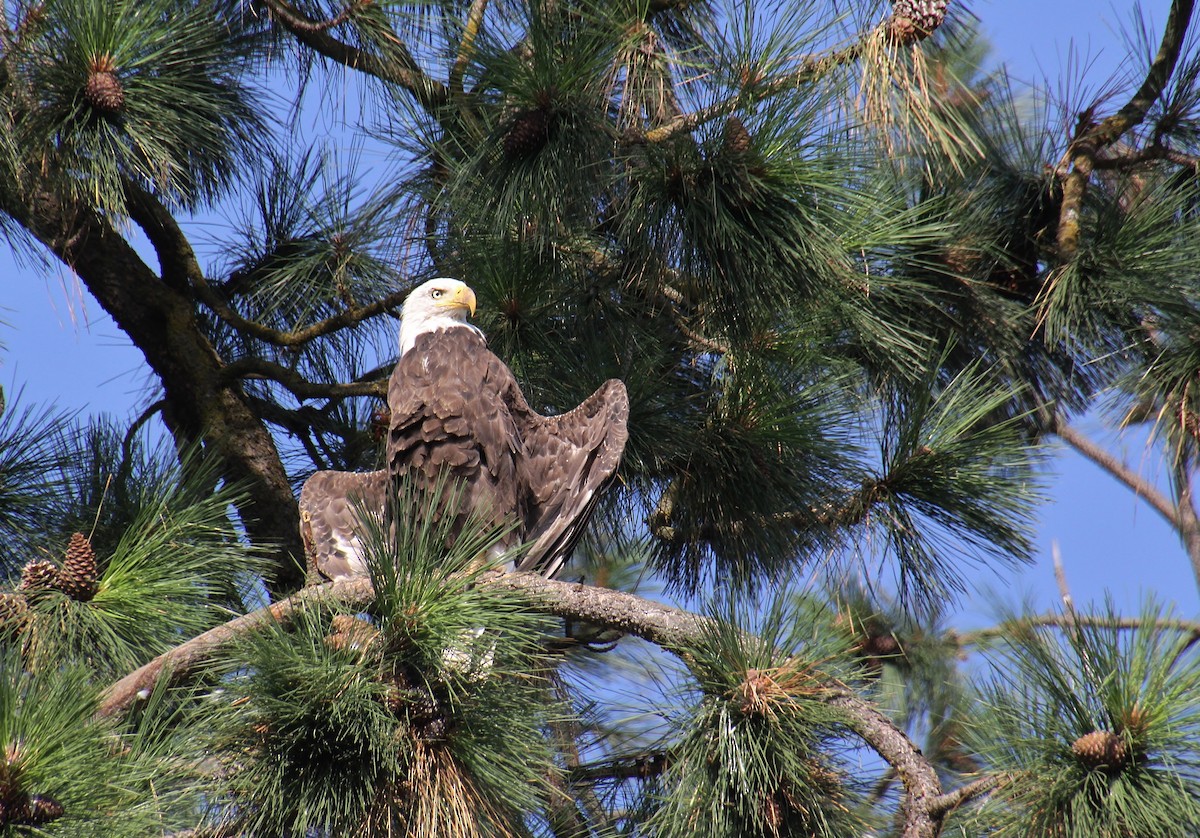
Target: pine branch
670,628
1066,622
1092,138
625,768
946,803
1189,522
1181,515
430,94
470,32
1107,461
350,316
1154,153
187,659
176,257
811,68
161,321
298,385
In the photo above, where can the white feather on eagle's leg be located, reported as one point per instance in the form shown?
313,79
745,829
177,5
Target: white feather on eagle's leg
458,418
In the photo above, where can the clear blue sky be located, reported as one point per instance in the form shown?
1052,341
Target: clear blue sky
60,347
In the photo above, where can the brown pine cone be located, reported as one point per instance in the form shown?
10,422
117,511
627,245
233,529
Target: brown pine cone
102,90
77,578
737,138
528,133
915,20
1101,749
38,575
13,612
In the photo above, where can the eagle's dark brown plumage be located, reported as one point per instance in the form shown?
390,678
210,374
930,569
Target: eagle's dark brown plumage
458,413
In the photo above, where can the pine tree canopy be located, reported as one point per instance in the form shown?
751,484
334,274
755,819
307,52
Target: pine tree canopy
857,284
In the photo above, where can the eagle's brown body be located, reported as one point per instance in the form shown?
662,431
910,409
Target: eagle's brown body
457,411
458,418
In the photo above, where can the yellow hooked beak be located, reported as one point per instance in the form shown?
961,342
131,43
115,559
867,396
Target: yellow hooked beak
461,297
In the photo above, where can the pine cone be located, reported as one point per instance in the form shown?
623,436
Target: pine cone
528,133
77,579
44,809
1101,749
915,20
13,611
102,90
737,138
350,634
38,575
29,810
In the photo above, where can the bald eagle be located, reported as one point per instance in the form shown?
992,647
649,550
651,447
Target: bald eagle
459,419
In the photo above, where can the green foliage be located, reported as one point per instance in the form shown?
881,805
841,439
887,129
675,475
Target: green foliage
1051,688
32,452
426,714
945,457
752,755
69,768
831,270
173,565
171,116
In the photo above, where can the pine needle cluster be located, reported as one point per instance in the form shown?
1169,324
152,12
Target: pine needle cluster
1092,727
756,749
426,714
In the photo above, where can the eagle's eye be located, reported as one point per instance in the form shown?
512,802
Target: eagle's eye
436,293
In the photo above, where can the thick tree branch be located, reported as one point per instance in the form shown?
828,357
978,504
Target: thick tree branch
1135,110
465,47
160,320
176,258
1189,522
404,72
673,629
179,664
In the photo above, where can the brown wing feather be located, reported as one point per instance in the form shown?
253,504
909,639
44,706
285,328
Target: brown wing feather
449,416
328,521
456,408
568,460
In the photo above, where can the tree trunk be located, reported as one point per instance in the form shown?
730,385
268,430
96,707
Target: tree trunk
161,322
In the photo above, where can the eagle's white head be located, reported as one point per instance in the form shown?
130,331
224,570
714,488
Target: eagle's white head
440,303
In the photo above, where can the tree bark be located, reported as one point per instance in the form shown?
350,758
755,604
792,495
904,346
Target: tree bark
922,810
204,404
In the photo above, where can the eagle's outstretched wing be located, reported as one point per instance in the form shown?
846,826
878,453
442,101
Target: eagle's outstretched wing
568,459
329,524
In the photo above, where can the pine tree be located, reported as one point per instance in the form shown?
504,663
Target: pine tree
855,289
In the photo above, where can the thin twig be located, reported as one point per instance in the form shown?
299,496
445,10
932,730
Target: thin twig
810,69
298,385
1059,621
